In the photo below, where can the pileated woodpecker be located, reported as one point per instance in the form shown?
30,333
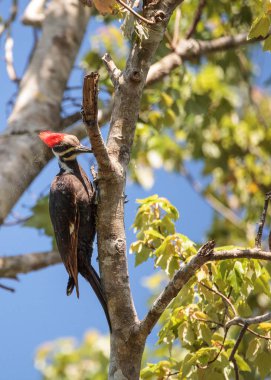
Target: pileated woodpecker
73,211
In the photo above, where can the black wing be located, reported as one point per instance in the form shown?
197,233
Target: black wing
65,219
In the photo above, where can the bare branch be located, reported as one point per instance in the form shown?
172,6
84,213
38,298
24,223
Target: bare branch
11,266
137,15
238,341
249,321
189,49
196,20
112,69
90,119
258,240
236,369
7,288
9,59
12,17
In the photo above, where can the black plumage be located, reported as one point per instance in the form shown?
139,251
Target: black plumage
73,213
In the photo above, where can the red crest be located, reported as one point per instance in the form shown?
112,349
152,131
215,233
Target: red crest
51,138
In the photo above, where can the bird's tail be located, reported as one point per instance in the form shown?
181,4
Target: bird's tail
90,274
70,286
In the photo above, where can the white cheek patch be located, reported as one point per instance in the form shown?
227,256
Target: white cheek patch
71,228
65,167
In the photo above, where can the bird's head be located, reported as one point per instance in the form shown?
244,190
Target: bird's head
66,147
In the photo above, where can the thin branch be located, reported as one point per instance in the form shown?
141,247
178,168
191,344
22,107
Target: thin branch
12,17
236,369
196,20
11,266
238,341
176,31
112,69
258,240
226,299
191,49
257,334
249,321
90,119
130,9
7,288
9,59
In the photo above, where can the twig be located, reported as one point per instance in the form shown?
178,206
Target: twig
9,59
112,69
126,6
258,240
7,288
237,343
12,17
257,334
176,31
90,118
196,20
249,321
227,300
236,369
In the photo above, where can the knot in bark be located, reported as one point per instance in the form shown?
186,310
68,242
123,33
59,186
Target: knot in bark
120,246
136,76
159,16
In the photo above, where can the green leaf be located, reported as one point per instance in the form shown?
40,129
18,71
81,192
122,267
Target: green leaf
242,364
263,364
253,349
41,218
260,27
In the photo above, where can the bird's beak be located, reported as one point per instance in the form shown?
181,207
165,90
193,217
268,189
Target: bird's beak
83,149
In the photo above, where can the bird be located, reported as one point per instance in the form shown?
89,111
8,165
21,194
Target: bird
72,209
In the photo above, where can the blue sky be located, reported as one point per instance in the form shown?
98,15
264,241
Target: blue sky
39,310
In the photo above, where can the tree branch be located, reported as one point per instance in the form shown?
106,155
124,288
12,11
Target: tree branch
13,14
188,270
183,275
11,266
90,119
112,69
190,49
196,20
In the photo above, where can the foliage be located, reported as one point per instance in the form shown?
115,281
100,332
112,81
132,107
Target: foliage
66,360
195,322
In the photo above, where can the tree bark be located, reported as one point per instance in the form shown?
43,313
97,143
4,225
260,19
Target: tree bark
127,339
